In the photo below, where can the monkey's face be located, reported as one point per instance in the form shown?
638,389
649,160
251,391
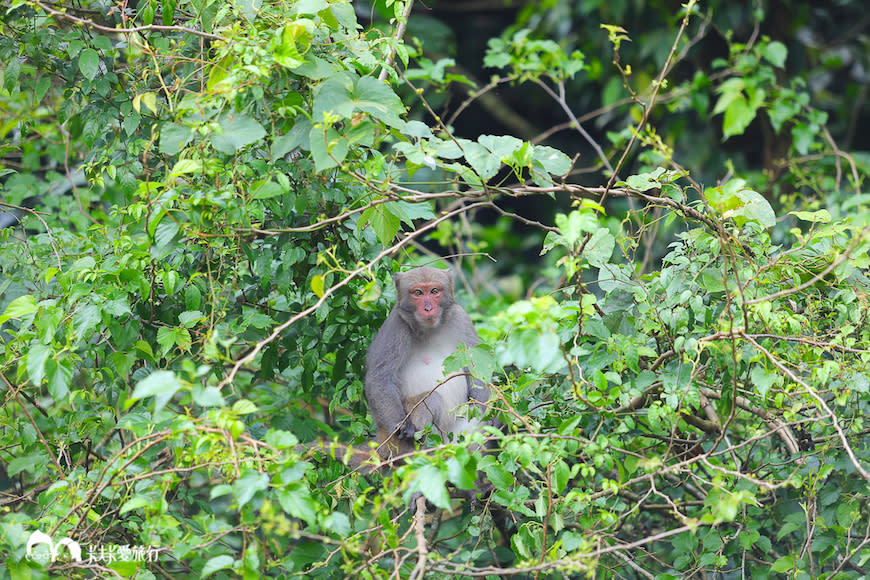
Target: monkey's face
426,297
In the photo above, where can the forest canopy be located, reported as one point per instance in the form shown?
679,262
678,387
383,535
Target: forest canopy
656,219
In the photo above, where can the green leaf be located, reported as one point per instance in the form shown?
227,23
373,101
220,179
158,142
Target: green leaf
167,12
244,407
502,146
42,86
292,41
248,485
238,131
20,307
295,499
267,190
500,477
215,564
36,357
162,385
59,374
317,285
646,181
11,73
820,216
552,160
174,137
190,318
775,52
184,167
89,63
328,148
308,6
599,248
432,483
755,208
561,474
462,475
346,94
250,8
484,163
135,502
383,221
803,135
207,396
738,115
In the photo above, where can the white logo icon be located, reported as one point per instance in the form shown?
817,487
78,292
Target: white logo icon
37,538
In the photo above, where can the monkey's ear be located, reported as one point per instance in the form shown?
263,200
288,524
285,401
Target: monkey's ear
451,277
397,280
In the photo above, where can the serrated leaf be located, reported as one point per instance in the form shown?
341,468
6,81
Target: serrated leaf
59,375
215,564
161,385
174,137
133,503
552,160
248,485
462,475
36,357
238,131
383,221
296,501
432,483
21,306
645,181
347,94
500,477
290,44
599,248
244,407
738,115
501,146
89,63
208,397
820,216
84,321
775,52
484,163
184,166
190,318
165,338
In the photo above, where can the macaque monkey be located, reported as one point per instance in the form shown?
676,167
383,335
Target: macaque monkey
405,385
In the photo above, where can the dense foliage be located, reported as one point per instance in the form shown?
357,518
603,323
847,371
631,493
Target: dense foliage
202,206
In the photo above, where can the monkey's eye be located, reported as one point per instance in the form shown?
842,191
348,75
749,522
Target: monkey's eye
436,291
417,292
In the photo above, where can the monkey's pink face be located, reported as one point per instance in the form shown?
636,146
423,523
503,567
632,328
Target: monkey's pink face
427,302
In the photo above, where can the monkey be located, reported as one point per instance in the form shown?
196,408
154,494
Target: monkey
405,386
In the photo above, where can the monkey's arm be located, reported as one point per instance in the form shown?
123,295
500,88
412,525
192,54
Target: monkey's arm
466,333
387,355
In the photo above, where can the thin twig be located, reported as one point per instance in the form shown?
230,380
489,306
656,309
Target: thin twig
400,32
90,23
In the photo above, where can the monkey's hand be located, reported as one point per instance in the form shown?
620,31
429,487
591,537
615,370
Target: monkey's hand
406,430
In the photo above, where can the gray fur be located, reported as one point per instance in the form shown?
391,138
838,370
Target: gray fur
404,346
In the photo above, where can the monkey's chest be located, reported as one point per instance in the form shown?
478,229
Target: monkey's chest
424,371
